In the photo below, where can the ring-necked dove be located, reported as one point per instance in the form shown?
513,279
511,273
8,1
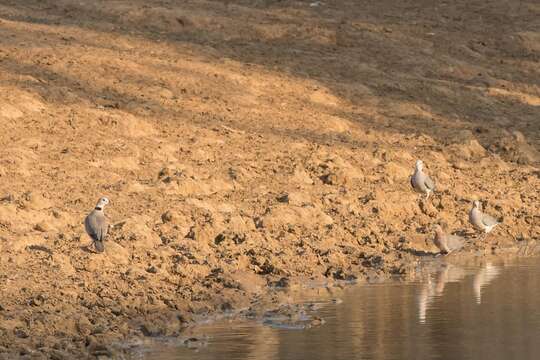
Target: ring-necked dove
420,181
480,220
96,224
447,242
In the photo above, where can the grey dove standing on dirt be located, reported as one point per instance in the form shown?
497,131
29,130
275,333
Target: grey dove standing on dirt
480,220
420,181
96,225
447,242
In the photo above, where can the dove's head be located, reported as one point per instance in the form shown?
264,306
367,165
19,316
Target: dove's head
438,228
101,203
476,204
419,165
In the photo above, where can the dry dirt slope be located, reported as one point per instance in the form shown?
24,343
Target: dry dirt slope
242,142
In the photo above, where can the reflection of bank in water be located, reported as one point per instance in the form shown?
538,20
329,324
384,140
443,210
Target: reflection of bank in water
435,284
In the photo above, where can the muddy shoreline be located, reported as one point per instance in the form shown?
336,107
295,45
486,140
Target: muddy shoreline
243,145
297,306
377,312
283,298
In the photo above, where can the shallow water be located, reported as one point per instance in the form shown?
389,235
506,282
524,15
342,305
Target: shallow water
489,310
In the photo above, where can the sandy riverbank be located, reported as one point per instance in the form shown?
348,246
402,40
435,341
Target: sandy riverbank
245,145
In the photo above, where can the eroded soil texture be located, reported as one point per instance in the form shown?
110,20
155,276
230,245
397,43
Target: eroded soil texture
247,145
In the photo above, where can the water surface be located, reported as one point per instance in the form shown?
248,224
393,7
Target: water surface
487,310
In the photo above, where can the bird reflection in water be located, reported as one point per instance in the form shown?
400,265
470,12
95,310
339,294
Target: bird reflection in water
482,278
435,287
435,284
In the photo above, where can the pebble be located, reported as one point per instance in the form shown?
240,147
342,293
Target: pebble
167,216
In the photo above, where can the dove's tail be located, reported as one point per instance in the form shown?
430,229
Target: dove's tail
99,246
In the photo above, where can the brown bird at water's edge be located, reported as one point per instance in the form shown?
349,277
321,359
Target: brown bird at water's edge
446,242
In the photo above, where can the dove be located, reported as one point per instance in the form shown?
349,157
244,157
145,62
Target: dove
480,220
420,181
96,225
447,242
